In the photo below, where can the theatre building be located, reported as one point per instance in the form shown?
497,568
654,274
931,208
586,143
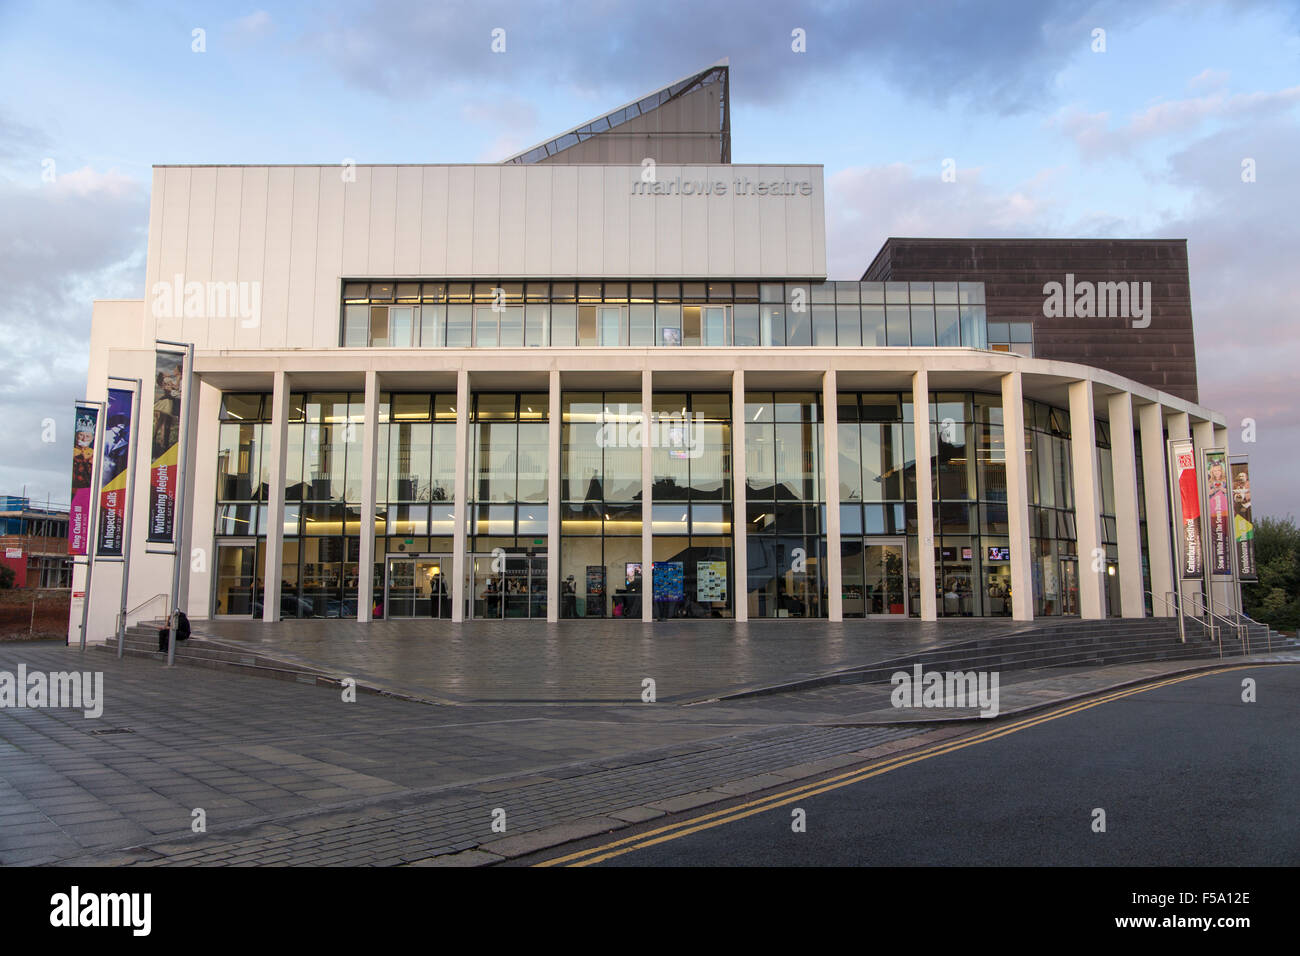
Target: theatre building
609,378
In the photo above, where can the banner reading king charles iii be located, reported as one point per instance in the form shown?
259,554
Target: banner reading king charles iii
1183,463
85,425
1243,521
113,472
168,374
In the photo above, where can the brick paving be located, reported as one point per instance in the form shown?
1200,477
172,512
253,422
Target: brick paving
288,773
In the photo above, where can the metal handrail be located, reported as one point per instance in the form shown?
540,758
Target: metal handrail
1173,606
1213,617
1243,617
160,594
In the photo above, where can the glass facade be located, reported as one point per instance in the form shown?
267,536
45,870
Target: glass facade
785,504
600,522
690,507
601,572
532,314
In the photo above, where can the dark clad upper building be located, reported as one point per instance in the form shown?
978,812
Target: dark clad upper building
1015,272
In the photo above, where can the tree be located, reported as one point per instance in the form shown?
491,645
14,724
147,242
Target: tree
6,577
1275,599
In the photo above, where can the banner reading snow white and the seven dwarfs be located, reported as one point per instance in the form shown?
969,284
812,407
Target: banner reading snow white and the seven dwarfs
1218,511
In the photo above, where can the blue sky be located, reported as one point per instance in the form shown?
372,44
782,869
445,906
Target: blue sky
1050,138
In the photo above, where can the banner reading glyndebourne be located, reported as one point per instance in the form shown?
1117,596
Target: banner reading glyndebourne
1218,511
1244,521
1183,466
113,472
86,423
168,374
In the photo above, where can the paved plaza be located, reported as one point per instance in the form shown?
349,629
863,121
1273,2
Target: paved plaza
287,772
590,662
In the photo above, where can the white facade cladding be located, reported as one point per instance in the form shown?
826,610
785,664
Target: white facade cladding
547,390
295,231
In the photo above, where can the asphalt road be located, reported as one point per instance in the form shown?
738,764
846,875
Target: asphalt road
1188,774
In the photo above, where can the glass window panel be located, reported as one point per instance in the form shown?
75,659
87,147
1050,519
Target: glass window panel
433,327
895,293
459,319
668,325
798,324
536,316
533,520
873,325
714,326
670,519
746,325
947,320
1021,332
379,325
485,327
898,321
922,324
945,293
771,324
823,318
641,326
848,325
356,326
610,325
512,327
564,325
850,443
771,292
690,325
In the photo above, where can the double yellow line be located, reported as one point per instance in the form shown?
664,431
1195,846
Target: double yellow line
607,851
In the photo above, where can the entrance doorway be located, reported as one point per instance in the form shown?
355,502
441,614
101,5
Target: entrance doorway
418,586
238,580
1070,586
884,577
507,586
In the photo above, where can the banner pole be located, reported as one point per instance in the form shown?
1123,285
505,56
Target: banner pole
132,447
178,513
91,518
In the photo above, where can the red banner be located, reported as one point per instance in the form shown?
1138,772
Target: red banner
1189,502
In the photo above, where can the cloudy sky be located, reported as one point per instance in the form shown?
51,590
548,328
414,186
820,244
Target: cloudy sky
1050,136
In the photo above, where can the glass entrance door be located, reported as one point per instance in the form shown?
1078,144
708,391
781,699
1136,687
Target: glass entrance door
1069,586
236,574
507,586
884,577
418,587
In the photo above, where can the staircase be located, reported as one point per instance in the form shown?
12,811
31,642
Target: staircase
1063,644
142,641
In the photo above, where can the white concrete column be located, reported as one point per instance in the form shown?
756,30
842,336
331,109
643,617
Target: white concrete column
1155,490
369,463
739,525
831,476
1179,426
203,504
461,512
647,481
1123,464
279,438
1013,443
1227,590
553,501
924,492
1087,500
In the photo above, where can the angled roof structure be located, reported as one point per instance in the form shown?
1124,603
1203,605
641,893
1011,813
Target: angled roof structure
688,121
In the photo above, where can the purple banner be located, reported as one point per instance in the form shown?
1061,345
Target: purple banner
86,424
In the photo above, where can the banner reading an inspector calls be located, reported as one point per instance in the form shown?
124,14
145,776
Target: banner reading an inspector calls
113,472
1183,462
1218,511
1244,522
86,424
168,374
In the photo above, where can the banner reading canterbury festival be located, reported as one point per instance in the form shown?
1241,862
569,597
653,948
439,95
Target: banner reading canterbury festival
113,472
1218,512
1244,522
168,374
86,423
1189,498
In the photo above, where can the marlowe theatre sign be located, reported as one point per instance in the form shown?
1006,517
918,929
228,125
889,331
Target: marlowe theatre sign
739,186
